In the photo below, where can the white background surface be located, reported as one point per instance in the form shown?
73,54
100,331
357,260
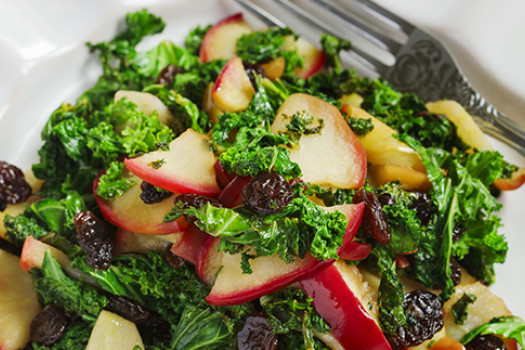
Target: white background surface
43,62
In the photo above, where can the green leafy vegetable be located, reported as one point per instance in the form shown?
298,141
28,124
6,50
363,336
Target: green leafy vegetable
460,308
507,326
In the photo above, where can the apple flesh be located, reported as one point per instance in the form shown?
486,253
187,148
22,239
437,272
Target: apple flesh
112,331
339,296
187,167
382,148
233,89
514,182
147,103
334,157
269,274
221,39
313,58
132,242
129,212
18,303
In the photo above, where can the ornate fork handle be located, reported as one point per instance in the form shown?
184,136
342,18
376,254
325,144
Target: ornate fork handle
424,66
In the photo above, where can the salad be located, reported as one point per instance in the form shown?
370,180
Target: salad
244,190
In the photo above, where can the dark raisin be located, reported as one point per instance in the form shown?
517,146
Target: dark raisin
173,261
424,319
167,75
256,334
455,271
13,186
267,193
94,238
192,200
252,70
151,194
424,207
457,232
48,325
486,342
386,199
374,222
134,312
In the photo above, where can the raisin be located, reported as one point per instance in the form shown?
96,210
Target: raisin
151,194
167,75
173,261
267,193
256,333
252,70
386,199
424,319
94,238
424,208
455,271
486,342
193,200
48,325
13,186
457,232
134,312
374,221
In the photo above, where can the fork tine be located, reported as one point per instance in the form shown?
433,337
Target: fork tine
359,27
266,17
358,53
381,13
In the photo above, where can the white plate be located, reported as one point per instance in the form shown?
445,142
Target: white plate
43,62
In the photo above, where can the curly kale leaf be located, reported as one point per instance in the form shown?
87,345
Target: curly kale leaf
75,296
332,46
194,39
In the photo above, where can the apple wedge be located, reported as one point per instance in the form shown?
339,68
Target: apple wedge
190,244
313,58
231,194
269,273
147,103
132,242
112,331
382,148
221,39
187,167
340,298
334,157
129,212
18,303
233,90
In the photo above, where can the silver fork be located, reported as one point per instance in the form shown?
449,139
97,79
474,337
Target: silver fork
388,46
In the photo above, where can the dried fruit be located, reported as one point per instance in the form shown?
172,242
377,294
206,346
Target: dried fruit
48,325
424,319
486,342
13,186
167,75
424,208
151,194
173,261
256,333
267,193
374,222
94,238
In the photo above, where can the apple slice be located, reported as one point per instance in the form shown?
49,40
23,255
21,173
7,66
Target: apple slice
233,89
515,182
112,331
231,194
209,106
187,167
275,68
147,103
269,274
411,180
18,303
340,297
381,146
220,40
132,242
334,157
190,244
313,58
129,212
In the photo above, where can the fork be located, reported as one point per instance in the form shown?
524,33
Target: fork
385,45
